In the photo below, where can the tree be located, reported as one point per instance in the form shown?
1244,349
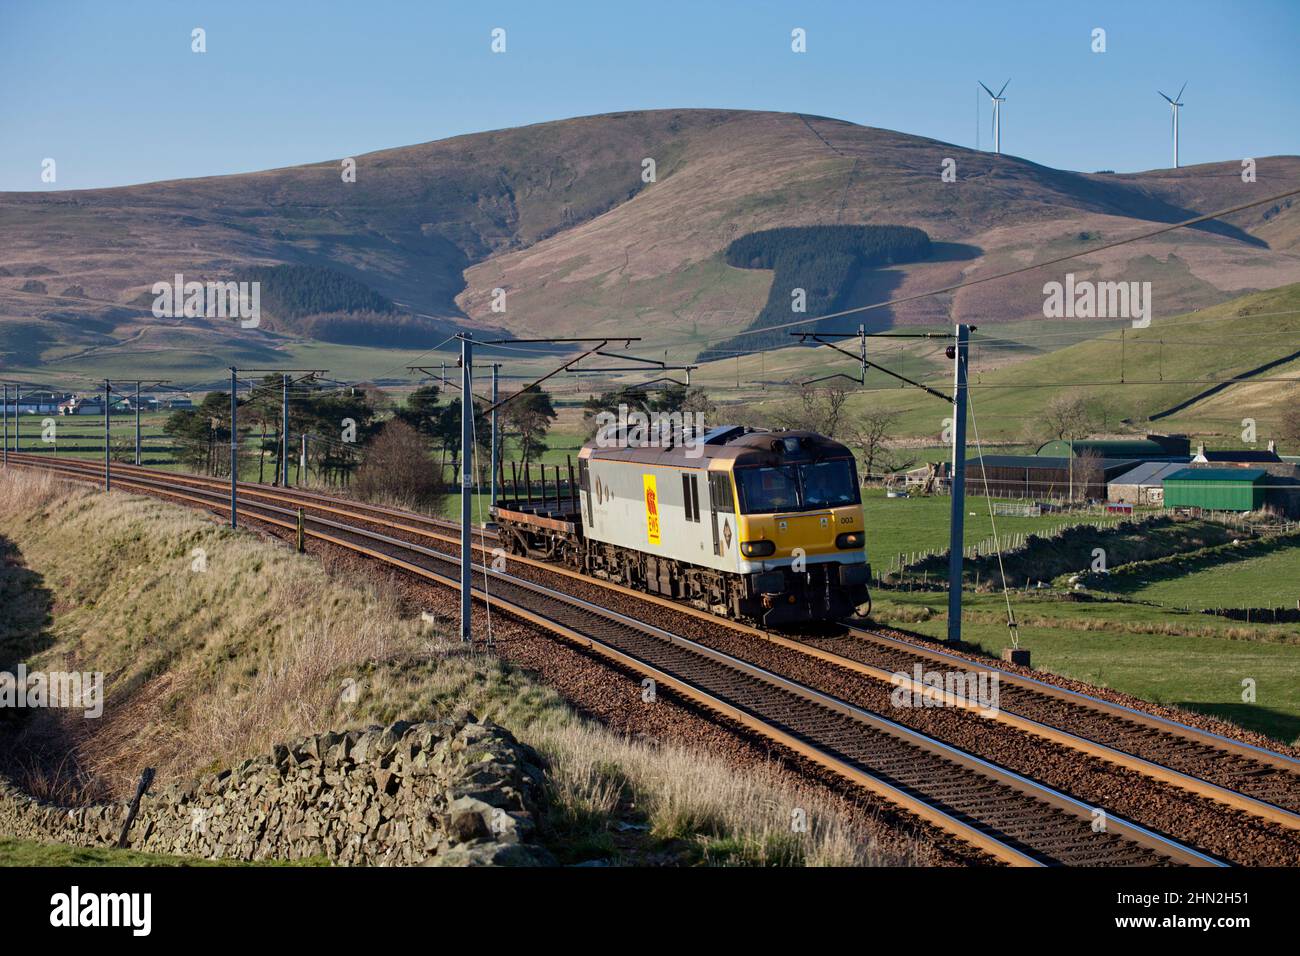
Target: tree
869,438
633,399
375,397
697,401
530,415
816,410
397,469
422,411
197,434
262,412
1065,416
1289,430
679,398
822,261
1088,475
322,416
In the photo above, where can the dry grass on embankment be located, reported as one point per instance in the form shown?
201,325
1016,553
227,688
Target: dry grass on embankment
205,668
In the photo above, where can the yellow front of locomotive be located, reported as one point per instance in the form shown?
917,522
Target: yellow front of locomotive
802,532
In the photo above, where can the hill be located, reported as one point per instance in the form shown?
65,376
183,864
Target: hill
561,217
1159,378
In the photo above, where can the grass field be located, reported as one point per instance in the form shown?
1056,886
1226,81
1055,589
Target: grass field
1017,368
1271,580
1127,647
917,524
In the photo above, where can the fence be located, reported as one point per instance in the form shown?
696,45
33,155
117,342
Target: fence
1017,510
1257,615
1009,543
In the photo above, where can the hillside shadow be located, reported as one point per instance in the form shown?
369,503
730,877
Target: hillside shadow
1272,723
1138,201
38,749
26,608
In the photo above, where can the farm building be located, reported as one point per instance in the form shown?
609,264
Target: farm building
33,403
1216,489
1143,485
1150,448
1237,456
82,405
1033,476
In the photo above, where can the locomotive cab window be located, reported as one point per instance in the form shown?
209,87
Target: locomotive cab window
829,484
764,490
807,487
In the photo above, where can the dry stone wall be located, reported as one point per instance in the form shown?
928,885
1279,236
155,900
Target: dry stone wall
452,792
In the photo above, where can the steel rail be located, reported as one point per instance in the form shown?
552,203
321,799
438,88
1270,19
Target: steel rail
1131,761
875,781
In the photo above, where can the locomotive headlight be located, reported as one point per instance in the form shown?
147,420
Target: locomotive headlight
757,549
849,539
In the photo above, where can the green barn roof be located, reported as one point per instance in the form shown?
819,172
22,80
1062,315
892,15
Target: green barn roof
1138,448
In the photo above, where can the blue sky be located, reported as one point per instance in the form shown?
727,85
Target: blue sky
111,90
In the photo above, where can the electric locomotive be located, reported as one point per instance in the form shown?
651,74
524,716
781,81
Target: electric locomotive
760,526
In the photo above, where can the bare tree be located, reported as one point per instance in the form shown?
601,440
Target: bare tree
1065,416
816,409
697,400
1289,427
1088,475
869,438
397,469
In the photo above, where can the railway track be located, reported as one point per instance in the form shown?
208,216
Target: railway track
1005,815
1231,772
1168,750
1270,779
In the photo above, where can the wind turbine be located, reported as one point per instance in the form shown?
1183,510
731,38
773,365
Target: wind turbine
1174,104
998,100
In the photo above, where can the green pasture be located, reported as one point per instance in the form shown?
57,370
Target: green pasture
1180,658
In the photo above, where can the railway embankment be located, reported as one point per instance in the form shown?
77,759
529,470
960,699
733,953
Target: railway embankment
217,647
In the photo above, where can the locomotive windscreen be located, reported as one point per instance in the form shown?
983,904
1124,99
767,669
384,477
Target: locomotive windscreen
806,487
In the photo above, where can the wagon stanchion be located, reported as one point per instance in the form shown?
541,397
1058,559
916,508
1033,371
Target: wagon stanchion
573,489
